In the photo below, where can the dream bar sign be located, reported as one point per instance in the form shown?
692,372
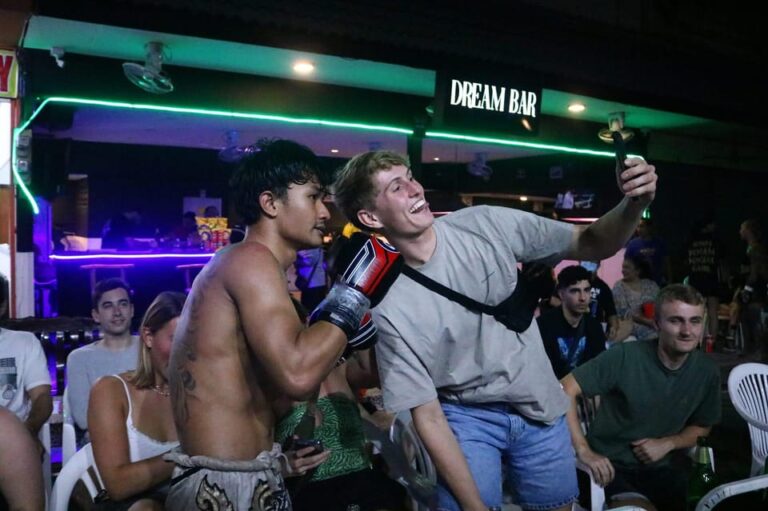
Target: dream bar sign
489,106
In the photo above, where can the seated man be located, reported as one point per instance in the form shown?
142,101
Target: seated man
116,352
25,384
602,307
657,396
571,335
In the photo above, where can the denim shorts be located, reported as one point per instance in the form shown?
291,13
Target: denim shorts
537,459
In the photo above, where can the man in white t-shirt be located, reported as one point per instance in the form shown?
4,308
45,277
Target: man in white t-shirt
25,384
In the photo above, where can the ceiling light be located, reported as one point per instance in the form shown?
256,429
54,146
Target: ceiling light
303,67
576,108
334,151
436,158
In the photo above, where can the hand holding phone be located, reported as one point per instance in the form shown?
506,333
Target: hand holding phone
299,444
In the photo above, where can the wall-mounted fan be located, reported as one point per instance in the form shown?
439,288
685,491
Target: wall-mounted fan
150,76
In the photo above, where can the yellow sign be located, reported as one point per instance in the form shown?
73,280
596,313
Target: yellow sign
9,74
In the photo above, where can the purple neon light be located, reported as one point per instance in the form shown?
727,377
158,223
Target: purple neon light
128,257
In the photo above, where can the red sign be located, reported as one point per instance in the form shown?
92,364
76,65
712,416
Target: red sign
9,74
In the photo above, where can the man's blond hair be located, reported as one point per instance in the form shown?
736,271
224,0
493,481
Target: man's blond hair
354,188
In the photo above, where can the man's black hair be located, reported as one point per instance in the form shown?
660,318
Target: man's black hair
570,275
273,166
107,285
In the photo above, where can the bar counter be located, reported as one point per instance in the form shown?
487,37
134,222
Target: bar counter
147,273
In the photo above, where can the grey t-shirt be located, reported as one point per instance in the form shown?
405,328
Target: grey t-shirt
430,346
87,364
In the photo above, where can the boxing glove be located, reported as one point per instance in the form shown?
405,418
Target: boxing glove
367,264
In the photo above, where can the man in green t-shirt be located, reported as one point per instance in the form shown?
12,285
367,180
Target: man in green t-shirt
656,397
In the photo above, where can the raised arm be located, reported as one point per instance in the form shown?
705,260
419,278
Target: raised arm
296,358
441,444
300,358
610,232
107,413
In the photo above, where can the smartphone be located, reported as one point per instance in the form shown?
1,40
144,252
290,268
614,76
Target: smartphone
620,149
302,443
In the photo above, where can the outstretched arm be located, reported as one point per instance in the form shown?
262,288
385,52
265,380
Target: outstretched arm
611,231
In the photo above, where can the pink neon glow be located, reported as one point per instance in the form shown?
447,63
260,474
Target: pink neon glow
580,220
91,257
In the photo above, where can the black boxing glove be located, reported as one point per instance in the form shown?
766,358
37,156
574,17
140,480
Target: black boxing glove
367,264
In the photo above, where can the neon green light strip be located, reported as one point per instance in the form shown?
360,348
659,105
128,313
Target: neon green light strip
225,113
14,166
518,143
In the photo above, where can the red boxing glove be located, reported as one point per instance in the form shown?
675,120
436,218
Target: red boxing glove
369,265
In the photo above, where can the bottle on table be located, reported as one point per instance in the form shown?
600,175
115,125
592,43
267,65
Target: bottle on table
702,478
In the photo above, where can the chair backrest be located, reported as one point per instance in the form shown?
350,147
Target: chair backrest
419,476
80,467
44,435
748,390
586,409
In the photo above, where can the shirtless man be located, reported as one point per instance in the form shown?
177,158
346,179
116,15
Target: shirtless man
239,345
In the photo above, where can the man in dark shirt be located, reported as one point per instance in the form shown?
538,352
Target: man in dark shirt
602,307
571,335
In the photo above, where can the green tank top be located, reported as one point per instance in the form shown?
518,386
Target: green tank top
341,432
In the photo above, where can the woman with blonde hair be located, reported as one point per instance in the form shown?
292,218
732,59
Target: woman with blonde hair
130,418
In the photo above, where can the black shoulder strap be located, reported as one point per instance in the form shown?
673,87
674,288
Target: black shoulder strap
452,295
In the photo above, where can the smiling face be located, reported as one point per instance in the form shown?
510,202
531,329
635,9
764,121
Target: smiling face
400,209
114,312
302,214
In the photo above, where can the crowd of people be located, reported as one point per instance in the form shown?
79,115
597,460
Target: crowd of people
237,397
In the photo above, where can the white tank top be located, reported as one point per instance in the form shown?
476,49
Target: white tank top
142,447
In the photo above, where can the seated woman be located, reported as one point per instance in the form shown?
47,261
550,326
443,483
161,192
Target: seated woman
21,475
130,418
342,476
631,292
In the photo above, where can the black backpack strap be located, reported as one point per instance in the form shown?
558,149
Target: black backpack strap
452,295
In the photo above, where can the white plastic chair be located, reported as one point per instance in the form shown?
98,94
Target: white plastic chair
421,484
80,467
748,389
722,492
44,435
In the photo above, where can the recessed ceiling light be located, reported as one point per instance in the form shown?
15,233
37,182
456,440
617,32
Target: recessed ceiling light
334,150
576,108
436,158
303,67
523,198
